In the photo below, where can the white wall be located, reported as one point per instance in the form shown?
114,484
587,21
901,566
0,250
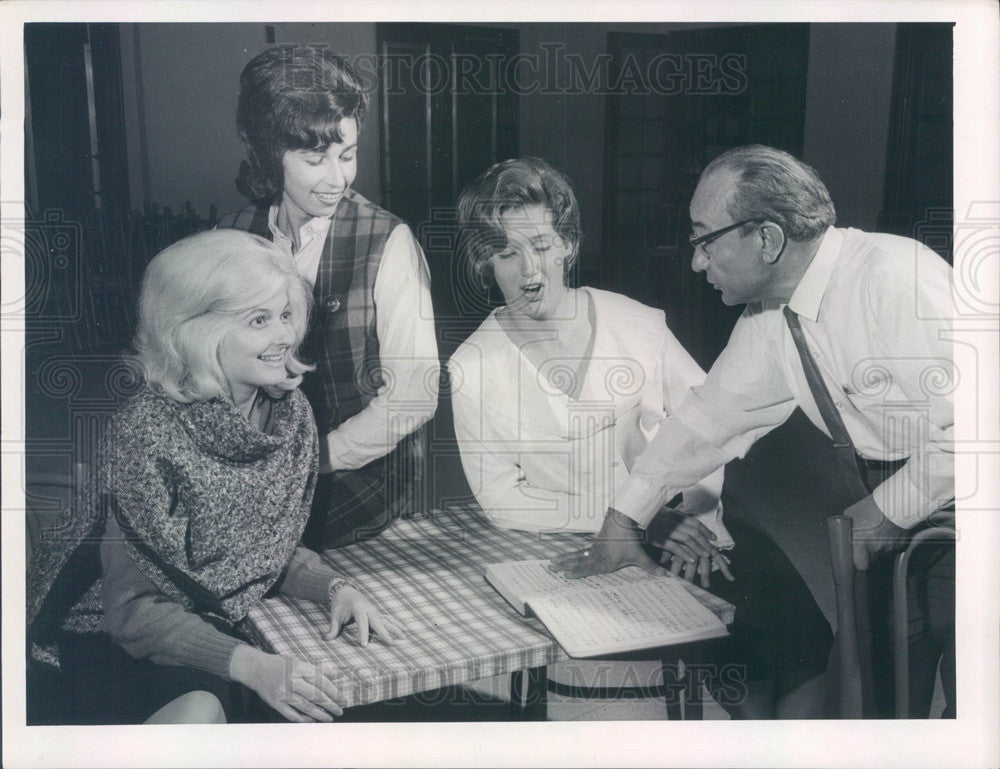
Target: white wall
186,78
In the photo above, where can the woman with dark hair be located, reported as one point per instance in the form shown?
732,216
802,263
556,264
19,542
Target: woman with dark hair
301,110
557,394
209,474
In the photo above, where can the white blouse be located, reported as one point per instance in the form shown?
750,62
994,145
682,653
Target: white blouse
404,325
877,313
540,460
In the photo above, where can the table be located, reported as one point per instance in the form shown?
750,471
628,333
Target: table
427,573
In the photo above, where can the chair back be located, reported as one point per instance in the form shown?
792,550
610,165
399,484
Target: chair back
900,614
855,676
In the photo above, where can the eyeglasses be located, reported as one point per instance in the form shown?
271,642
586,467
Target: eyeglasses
711,237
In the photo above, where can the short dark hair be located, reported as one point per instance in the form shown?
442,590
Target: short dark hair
776,186
509,185
292,97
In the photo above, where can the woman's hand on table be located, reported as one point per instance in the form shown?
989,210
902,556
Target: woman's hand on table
299,691
348,604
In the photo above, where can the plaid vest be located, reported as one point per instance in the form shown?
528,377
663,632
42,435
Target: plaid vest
342,339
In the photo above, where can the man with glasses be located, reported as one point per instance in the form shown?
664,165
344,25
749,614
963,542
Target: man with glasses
853,328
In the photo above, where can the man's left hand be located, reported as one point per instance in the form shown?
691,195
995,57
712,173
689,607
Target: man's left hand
873,533
616,545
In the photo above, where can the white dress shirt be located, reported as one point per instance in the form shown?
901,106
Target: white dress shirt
404,323
875,310
540,460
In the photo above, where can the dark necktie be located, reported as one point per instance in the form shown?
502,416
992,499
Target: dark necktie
843,447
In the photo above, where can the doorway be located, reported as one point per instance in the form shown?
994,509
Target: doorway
443,120
682,98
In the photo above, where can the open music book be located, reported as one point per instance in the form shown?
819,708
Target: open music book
625,610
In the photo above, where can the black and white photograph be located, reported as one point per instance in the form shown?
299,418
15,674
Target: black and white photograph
445,385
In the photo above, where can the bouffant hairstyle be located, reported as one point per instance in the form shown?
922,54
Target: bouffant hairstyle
192,293
508,186
292,98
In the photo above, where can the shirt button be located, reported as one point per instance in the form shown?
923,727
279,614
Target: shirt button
333,305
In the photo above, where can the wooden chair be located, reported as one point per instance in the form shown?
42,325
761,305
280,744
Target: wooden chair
855,681
901,651
856,677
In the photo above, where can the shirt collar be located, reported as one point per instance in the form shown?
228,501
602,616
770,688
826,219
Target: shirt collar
808,295
306,231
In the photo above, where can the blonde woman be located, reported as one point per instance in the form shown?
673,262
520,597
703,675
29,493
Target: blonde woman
210,472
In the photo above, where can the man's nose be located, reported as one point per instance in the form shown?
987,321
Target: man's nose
699,262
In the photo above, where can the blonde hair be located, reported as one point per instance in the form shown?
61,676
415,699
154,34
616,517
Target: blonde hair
192,293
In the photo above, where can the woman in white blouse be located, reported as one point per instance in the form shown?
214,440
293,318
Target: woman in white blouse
558,392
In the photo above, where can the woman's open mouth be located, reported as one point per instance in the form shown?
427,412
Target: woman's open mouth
532,291
329,198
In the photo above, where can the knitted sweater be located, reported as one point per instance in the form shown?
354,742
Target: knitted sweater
150,626
211,506
206,514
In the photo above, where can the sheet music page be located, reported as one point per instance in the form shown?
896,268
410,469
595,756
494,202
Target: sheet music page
630,616
527,579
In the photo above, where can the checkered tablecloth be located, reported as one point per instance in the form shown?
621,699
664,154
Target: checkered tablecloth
426,573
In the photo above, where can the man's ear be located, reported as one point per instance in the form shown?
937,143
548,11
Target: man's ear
773,242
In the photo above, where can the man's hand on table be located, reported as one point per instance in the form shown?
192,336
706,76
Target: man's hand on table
688,546
300,691
873,533
617,544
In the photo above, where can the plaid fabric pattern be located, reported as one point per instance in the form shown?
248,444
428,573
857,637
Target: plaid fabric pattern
354,505
428,574
343,343
342,339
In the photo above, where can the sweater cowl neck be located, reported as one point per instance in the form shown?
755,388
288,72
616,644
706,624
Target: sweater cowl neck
220,429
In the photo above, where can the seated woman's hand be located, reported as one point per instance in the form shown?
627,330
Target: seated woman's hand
688,546
348,604
299,691
702,568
